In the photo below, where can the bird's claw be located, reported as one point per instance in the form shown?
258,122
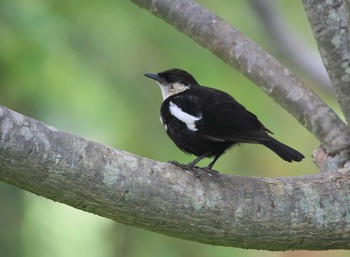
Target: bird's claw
180,165
195,169
214,173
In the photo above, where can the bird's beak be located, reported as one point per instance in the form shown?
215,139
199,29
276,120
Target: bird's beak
154,76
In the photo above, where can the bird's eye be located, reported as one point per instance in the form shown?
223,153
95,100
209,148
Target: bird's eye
171,77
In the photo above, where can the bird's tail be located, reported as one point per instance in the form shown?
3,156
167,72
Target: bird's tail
285,152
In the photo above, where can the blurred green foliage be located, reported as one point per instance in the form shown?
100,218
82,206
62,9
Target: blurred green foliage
78,66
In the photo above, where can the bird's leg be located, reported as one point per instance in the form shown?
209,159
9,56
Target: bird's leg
210,166
191,164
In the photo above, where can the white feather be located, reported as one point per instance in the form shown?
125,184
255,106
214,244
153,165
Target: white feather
171,89
161,120
186,118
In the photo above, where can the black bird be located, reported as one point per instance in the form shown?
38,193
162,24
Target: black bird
206,122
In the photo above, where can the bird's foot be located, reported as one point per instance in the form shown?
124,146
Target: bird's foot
214,173
189,167
195,169
180,165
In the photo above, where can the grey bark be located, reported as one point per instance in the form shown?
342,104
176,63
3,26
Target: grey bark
329,21
265,71
307,212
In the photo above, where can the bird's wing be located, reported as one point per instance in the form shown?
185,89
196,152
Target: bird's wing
229,120
218,120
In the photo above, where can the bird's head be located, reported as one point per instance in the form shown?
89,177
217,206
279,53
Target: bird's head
173,81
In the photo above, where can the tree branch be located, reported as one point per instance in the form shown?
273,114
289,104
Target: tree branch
276,80
330,26
288,44
309,212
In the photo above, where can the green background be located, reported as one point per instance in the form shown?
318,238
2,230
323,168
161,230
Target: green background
78,66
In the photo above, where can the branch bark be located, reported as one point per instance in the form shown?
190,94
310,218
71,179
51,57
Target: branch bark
330,26
308,212
240,52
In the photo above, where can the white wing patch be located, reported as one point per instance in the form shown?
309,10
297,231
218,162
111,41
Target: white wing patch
161,120
186,118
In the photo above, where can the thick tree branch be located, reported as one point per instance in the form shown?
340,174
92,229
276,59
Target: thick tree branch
330,25
309,212
276,80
